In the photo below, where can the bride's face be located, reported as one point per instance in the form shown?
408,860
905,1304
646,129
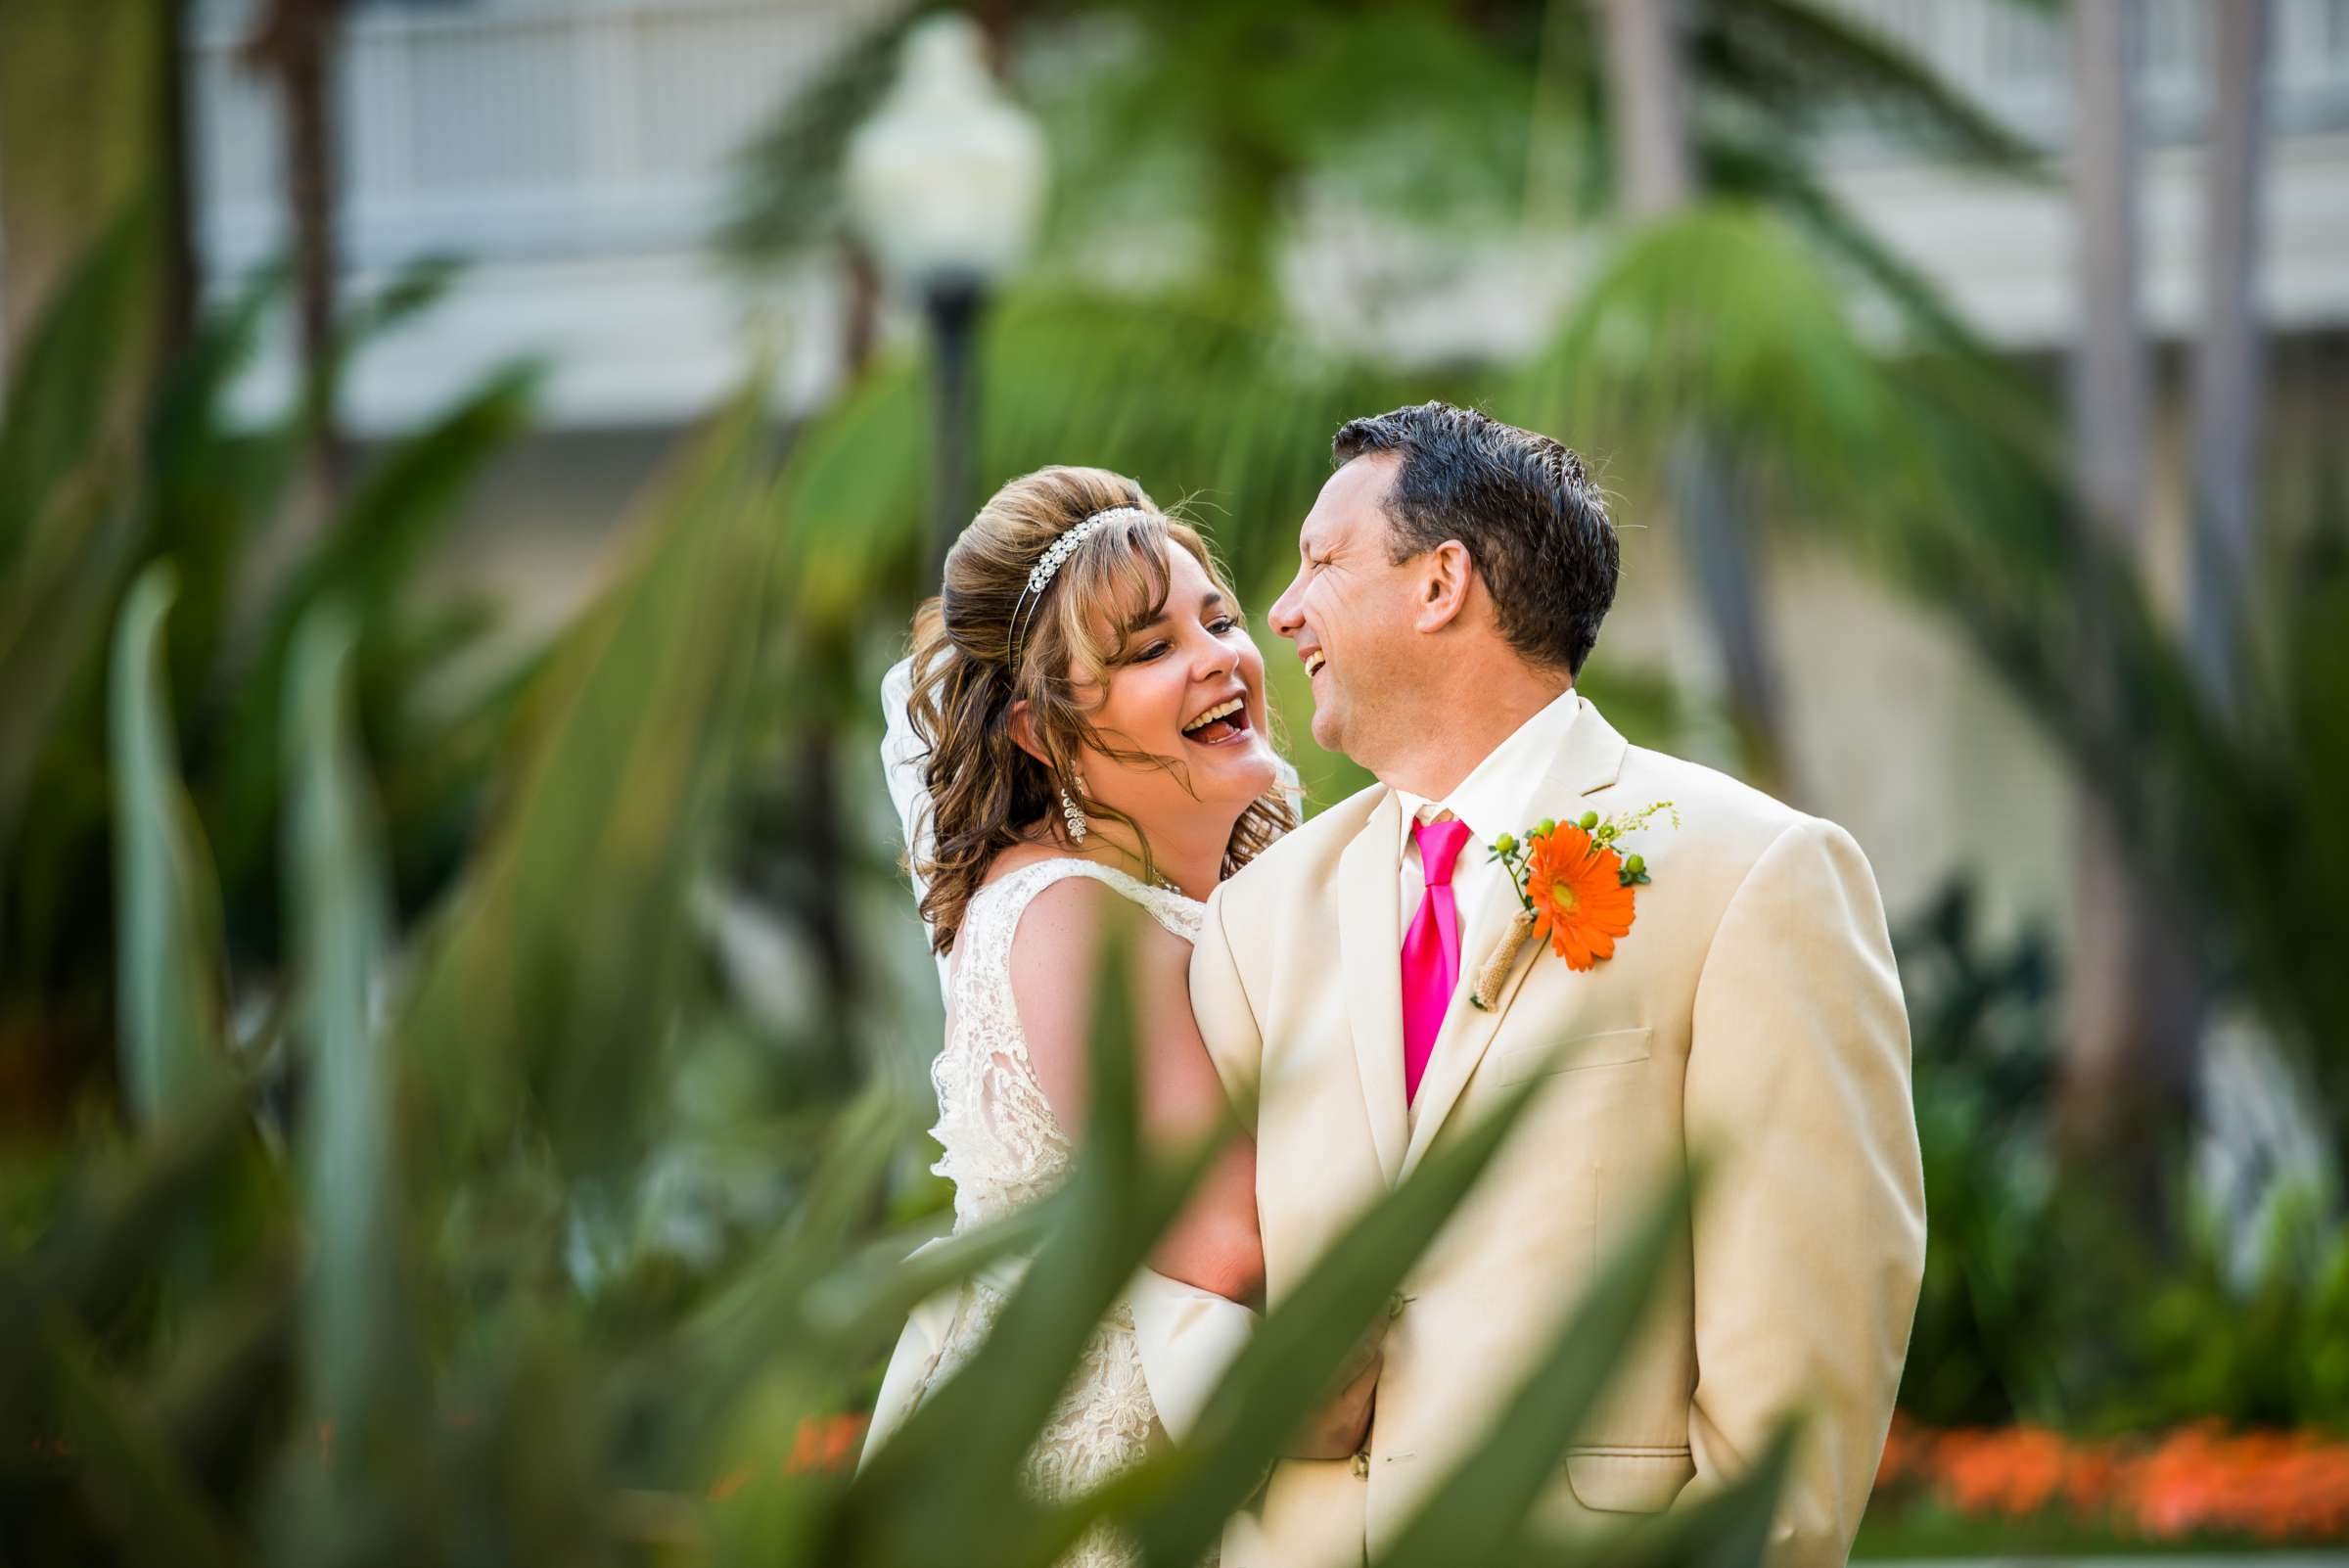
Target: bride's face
1189,685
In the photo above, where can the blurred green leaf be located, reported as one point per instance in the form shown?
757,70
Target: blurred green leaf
1477,1511
358,1368
65,395
209,490
160,1519
973,1506
1729,1528
556,967
54,601
227,1377
1722,309
366,563
120,1215
1291,1364
168,979
67,513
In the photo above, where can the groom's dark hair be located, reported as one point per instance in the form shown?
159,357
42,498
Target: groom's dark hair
1530,518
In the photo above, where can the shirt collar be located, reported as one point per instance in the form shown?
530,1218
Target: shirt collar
1497,791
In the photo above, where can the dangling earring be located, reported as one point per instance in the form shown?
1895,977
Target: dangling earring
1074,817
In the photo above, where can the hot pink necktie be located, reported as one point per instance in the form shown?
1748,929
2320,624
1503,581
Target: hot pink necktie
1431,948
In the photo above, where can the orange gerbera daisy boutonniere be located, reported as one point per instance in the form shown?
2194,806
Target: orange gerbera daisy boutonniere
1577,888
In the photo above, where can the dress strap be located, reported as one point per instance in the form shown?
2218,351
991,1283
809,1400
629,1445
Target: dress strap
1175,911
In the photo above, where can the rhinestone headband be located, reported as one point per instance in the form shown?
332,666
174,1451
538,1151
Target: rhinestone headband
1039,578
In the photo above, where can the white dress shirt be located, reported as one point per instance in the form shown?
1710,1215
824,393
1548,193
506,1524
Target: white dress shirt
1496,798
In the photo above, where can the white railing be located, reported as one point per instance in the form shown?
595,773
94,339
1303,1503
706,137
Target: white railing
516,128
2012,59
545,128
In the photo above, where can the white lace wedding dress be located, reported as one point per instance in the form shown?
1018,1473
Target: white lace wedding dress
1005,1150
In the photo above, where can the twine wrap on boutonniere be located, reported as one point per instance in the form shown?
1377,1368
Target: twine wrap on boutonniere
1575,885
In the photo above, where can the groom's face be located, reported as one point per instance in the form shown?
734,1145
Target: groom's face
1350,611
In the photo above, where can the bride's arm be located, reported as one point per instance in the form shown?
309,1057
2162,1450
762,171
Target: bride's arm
1213,1244
1188,1338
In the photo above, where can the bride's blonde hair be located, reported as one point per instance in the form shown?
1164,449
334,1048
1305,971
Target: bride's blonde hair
971,664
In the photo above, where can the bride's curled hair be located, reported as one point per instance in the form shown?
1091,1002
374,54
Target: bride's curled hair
987,793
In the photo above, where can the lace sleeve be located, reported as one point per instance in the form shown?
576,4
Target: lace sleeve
1002,1144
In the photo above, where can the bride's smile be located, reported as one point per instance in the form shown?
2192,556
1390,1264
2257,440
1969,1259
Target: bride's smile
1185,687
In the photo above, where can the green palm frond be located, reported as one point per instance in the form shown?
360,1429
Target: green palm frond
1729,1526
214,485
66,382
1295,1356
67,513
1797,60
623,770
1722,309
1751,169
1479,1510
367,562
787,195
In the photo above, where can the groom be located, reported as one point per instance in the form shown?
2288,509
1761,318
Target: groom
1740,1000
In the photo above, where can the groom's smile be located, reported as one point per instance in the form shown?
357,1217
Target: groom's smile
1349,609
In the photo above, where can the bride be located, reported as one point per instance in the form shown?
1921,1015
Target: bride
1082,720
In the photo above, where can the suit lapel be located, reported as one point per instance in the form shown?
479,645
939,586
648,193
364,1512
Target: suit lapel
1371,964
1588,761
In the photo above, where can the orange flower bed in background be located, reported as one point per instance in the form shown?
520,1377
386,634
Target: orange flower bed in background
2271,1486
820,1445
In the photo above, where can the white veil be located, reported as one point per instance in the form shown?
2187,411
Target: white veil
902,755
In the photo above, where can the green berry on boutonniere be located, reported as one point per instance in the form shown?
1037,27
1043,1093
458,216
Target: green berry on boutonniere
1634,869
1589,822
1546,827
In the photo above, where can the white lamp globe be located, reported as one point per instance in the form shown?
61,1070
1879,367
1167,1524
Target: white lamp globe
946,181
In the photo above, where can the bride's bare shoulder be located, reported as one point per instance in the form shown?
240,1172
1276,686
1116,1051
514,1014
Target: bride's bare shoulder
1017,858
1061,931
1057,948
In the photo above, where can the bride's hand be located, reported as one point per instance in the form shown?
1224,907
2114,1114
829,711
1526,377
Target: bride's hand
1339,1428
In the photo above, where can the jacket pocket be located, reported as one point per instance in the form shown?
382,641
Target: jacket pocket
1620,1480
1612,1048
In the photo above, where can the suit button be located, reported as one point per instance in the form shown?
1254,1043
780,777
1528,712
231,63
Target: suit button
1361,1465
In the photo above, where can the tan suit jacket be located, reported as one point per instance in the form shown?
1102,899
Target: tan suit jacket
1753,1012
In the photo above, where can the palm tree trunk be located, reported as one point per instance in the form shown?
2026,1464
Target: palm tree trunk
1654,178
2226,382
296,44
183,270
1651,138
2134,997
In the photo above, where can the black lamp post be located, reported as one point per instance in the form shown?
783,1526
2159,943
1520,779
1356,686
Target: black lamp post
946,183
